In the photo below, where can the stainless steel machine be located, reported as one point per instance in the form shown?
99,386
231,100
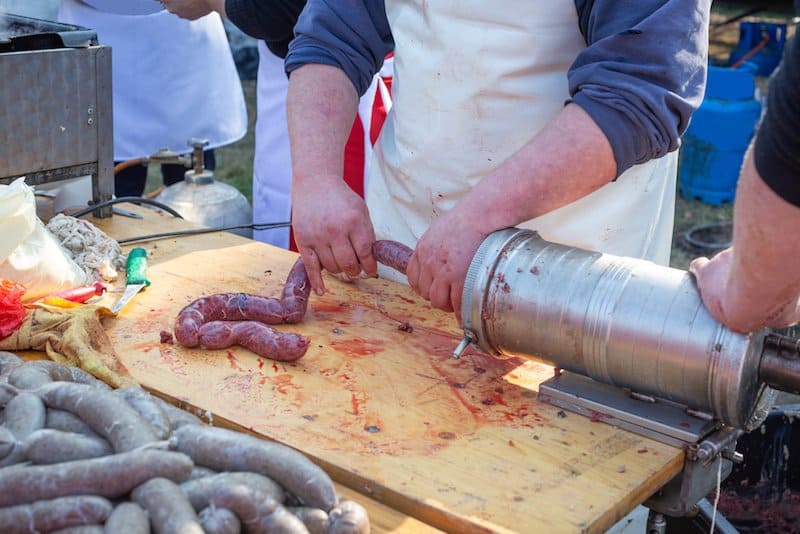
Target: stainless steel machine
55,105
633,346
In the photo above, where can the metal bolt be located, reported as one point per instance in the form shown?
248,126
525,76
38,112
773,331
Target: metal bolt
90,121
90,111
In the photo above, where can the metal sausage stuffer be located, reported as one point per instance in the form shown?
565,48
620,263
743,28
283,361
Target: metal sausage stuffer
623,322
637,348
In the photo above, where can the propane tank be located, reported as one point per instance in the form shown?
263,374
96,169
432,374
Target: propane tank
621,321
202,200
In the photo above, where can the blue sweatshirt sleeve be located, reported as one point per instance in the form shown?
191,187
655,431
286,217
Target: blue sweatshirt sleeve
352,35
643,72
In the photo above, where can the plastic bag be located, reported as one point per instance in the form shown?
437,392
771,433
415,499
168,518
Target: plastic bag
29,254
12,312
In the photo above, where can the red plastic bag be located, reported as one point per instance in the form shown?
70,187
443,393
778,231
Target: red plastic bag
12,312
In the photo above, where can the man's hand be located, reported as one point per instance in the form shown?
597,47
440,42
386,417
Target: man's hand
726,299
194,9
441,259
712,277
333,230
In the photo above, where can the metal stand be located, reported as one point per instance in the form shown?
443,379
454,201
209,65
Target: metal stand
707,444
661,420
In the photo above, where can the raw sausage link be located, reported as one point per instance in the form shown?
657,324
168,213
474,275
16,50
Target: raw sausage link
226,319
106,413
49,515
109,476
392,254
349,517
147,406
9,360
257,512
48,446
245,307
199,490
215,520
7,442
128,517
225,307
315,520
295,293
168,508
68,422
257,337
33,374
24,414
226,450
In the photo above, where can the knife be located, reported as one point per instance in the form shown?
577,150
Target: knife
136,277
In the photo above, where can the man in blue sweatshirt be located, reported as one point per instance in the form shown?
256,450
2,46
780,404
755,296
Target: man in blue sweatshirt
561,116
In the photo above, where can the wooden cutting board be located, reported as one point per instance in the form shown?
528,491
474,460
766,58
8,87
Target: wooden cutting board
379,402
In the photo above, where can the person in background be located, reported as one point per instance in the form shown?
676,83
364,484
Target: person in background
272,24
564,119
755,283
172,80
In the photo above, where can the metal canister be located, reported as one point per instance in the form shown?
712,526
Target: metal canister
201,199
621,321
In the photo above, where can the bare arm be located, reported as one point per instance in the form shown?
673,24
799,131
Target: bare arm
331,222
755,283
567,160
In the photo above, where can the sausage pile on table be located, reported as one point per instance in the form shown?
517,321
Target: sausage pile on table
78,456
226,319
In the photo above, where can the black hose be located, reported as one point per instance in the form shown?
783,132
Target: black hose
132,200
695,235
198,231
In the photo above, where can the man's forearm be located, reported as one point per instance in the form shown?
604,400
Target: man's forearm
567,160
764,277
320,107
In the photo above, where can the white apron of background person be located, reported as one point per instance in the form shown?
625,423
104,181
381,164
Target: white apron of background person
473,83
172,79
272,167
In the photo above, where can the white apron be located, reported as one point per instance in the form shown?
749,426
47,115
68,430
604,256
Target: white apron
272,161
473,83
172,79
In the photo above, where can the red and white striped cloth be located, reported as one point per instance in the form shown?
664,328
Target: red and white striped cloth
373,108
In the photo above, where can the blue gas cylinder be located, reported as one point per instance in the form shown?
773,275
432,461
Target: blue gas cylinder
718,135
760,43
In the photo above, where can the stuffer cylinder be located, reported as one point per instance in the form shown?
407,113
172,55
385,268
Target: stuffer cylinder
621,321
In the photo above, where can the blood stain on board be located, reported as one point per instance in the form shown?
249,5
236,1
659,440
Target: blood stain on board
232,361
283,383
357,400
240,383
326,307
168,357
358,348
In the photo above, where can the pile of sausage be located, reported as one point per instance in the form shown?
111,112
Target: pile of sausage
76,456
227,319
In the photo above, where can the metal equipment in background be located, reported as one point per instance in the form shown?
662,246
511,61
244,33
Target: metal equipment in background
634,346
201,199
56,105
